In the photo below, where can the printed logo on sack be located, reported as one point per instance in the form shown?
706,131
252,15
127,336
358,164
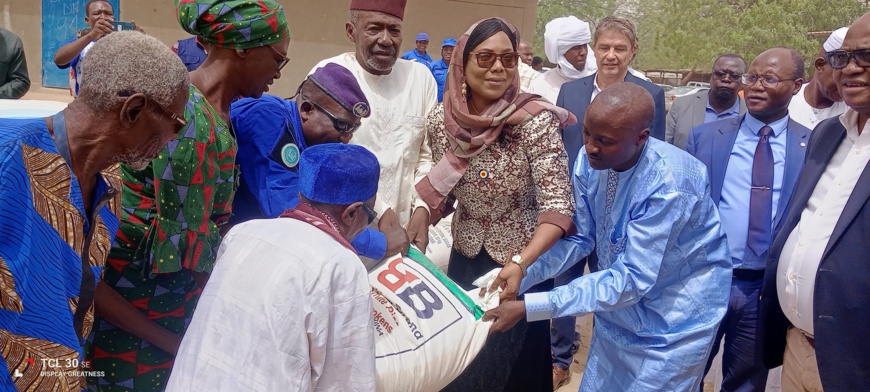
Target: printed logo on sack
421,306
411,289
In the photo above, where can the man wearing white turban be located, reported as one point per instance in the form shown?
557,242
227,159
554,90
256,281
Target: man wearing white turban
566,45
820,98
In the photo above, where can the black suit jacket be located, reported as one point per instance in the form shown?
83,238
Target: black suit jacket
576,95
841,301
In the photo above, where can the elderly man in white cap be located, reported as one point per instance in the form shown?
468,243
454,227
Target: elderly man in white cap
820,98
566,43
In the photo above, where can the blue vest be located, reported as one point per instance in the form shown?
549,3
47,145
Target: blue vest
191,54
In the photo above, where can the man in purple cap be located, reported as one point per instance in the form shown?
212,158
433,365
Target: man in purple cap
400,94
273,132
419,54
440,67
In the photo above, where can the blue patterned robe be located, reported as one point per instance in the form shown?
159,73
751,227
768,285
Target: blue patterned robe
43,234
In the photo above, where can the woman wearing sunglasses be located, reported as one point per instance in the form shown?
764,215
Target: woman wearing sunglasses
501,157
175,209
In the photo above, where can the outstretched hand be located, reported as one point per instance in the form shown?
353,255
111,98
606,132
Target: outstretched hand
418,229
508,279
388,220
397,241
505,316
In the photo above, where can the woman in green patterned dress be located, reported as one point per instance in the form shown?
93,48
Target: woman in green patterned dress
173,211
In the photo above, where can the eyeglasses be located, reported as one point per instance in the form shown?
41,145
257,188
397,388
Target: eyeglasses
721,75
372,214
767,81
284,60
487,59
166,111
341,125
839,59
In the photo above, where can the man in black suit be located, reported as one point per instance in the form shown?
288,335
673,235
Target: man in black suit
615,45
814,309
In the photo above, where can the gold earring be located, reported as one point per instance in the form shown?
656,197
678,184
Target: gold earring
464,90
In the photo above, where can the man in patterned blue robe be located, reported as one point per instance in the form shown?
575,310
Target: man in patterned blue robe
661,284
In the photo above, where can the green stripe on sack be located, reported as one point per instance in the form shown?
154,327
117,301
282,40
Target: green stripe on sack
457,291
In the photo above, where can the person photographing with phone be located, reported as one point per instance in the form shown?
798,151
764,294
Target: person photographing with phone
100,17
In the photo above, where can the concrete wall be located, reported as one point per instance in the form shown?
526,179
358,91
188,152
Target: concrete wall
316,27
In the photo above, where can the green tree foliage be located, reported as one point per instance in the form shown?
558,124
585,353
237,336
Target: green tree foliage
684,34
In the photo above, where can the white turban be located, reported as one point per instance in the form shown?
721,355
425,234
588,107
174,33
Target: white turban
562,34
835,40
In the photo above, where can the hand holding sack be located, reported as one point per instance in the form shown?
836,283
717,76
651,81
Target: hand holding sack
427,328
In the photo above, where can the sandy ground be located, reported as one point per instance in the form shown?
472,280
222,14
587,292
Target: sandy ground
48,94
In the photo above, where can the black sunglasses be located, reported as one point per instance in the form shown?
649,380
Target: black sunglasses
839,59
372,214
341,125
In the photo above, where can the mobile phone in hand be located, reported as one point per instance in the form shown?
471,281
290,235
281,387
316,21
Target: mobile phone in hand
123,26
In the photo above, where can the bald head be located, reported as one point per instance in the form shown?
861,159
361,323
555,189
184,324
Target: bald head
768,101
616,126
525,51
625,103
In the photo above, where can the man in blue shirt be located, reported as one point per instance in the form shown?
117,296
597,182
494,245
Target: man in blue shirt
272,133
660,285
419,54
753,162
100,15
60,203
720,102
440,67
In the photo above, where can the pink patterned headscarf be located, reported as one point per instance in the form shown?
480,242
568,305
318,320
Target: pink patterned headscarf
471,134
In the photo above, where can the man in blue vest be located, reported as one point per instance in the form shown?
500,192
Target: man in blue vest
272,133
440,67
419,54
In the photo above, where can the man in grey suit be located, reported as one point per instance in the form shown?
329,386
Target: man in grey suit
718,103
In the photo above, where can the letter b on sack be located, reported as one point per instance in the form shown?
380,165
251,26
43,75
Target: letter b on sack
408,286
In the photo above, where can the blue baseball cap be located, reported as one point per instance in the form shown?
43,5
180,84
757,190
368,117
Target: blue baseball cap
448,42
422,37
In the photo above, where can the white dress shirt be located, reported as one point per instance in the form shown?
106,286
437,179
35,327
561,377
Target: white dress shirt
803,251
394,132
801,111
287,308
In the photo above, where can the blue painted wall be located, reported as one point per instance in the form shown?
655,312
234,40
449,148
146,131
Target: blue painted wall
61,20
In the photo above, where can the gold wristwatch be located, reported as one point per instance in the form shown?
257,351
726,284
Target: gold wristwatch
519,261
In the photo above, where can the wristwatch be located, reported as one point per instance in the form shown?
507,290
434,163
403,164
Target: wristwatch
519,261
